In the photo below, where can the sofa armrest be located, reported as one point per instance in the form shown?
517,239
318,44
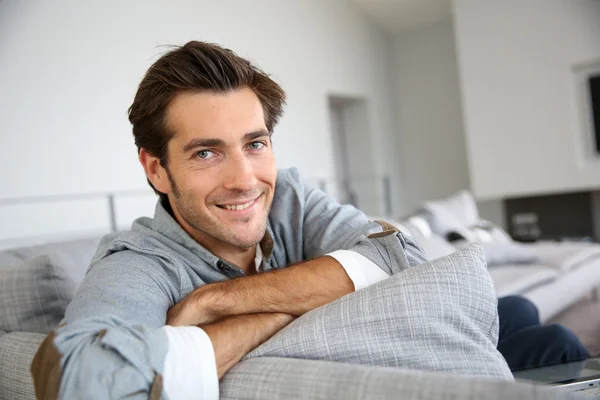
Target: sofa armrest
16,352
288,378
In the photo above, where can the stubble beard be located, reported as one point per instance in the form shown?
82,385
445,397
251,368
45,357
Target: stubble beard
209,227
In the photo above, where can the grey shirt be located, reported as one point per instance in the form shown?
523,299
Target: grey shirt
113,343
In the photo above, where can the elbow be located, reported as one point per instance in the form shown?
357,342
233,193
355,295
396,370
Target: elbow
46,370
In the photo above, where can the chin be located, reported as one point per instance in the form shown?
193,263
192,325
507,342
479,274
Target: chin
243,244
247,241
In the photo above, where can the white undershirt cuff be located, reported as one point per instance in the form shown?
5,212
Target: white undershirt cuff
362,271
190,369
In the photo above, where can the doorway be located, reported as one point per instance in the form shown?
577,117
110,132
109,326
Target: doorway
355,179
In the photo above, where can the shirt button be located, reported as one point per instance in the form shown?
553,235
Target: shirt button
220,264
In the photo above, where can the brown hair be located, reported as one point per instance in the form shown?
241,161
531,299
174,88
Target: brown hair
194,66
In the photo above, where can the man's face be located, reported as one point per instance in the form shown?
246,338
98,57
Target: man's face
221,167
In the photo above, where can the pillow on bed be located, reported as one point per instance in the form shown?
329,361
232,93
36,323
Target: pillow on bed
438,316
492,232
443,223
453,214
35,294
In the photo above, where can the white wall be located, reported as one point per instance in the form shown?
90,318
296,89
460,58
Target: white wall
522,110
430,128
70,69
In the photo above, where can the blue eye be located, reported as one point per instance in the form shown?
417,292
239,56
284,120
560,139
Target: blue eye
256,145
204,154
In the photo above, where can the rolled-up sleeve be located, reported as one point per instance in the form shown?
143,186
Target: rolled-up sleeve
329,226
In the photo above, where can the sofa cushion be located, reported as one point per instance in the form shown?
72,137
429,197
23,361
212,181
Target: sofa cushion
508,253
16,352
500,254
283,378
517,279
439,316
35,295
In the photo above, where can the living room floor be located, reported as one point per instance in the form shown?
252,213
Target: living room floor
583,318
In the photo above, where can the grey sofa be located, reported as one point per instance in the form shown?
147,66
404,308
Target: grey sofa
552,275
275,370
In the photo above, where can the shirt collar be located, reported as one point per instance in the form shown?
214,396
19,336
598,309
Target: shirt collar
258,258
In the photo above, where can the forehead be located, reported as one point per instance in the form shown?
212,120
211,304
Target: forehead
226,116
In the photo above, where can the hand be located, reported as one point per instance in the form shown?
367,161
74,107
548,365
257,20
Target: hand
198,308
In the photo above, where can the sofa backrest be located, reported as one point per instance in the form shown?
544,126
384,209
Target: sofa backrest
78,251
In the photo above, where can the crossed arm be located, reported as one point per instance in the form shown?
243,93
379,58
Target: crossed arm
240,314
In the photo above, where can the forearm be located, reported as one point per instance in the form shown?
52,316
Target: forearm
294,290
234,337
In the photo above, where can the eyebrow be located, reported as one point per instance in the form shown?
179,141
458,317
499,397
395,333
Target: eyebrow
195,143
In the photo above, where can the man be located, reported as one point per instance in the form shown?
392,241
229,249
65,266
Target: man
234,252
202,121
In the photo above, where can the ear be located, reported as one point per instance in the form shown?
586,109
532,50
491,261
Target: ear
155,172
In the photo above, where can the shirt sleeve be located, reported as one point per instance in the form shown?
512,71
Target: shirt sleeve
328,226
113,342
362,271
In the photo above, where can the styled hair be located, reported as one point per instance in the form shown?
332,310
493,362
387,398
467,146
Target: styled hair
195,66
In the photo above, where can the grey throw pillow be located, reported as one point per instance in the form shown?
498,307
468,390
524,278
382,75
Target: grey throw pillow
439,316
35,295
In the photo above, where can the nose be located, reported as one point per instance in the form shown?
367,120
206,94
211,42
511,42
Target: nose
239,174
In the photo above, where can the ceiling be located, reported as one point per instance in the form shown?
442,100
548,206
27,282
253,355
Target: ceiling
396,16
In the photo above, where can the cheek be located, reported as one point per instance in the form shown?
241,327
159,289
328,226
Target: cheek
265,169
198,185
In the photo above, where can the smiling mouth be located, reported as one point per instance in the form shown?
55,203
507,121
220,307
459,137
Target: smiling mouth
237,207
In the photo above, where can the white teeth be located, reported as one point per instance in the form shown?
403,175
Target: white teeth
238,207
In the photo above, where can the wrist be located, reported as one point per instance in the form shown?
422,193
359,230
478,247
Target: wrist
284,318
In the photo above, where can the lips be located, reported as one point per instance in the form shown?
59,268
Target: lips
238,206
